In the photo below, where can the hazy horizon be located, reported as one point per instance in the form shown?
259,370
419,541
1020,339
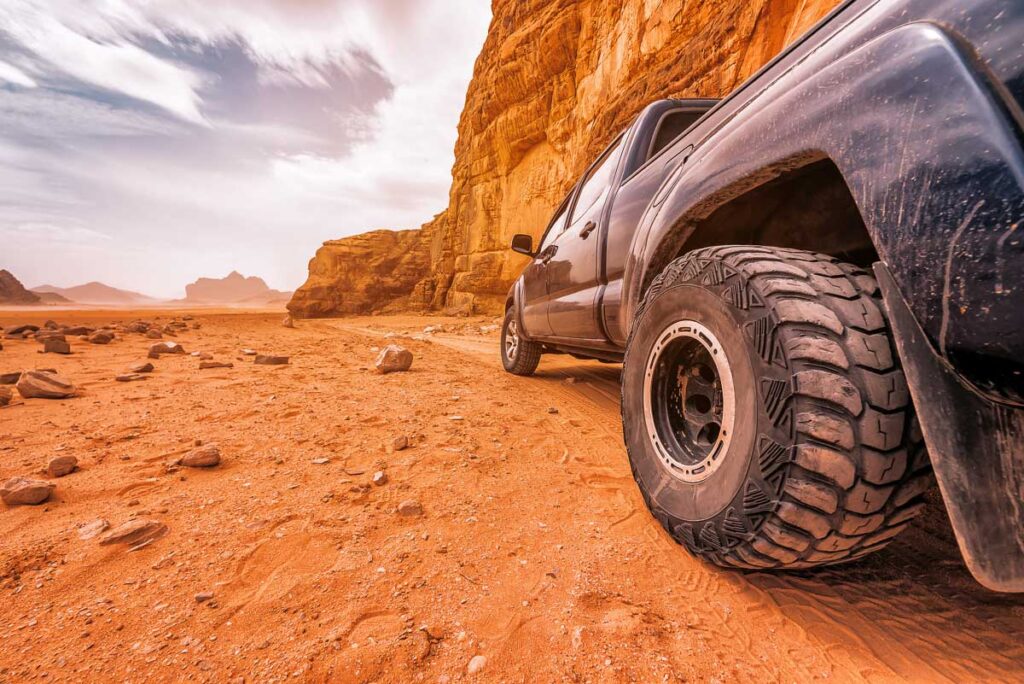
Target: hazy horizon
146,145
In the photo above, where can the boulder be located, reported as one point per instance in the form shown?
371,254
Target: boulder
51,325
10,378
56,345
101,337
21,491
161,348
39,384
393,359
270,360
154,334
138,326
20,330
59,466
135,533
206,456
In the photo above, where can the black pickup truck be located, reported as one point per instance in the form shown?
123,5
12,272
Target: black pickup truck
816,289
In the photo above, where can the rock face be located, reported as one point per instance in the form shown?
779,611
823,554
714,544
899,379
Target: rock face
555,82
232,289
13,292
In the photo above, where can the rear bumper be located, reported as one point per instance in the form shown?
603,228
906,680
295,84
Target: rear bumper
976,447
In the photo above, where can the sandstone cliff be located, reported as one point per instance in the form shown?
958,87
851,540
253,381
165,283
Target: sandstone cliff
555,81
234,288
13,292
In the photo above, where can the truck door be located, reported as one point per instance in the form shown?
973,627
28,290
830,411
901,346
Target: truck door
574,271
535,279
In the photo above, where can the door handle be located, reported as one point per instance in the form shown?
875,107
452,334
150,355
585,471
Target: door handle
548,254
587,230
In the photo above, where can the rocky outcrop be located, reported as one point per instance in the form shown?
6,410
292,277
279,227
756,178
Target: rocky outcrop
555,81
13,292
234,288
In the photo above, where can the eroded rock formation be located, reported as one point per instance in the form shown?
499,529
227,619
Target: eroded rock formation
13,292
555,81
234,288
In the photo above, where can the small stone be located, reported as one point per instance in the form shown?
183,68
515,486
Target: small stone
146,367
203,457
59,466
393,359
205,365
21,491
56,345
6,395
380,478
288,322
552,410
204,596
410,508
248,352
10,378
321,461
166,348
203,356
154,334
400,443
40,384
270,360
77,330
476,664
130,377
91,529
135,533
101,337
51,325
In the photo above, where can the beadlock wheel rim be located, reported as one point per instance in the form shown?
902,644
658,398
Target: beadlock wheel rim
689,401
511,341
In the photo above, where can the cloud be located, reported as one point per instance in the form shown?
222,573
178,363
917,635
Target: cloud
12,74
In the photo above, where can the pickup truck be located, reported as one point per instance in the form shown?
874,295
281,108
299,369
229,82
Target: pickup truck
815,287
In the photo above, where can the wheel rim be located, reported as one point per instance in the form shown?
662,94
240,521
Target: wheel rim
511,340
689,401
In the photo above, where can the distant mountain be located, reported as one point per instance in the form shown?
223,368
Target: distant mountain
13,292
97,293
233,289
53,298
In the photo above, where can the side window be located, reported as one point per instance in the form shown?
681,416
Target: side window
671,126
556,226
595,187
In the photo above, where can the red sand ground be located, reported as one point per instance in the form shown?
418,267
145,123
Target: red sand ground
534,548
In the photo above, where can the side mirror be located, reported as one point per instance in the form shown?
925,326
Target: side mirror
523,244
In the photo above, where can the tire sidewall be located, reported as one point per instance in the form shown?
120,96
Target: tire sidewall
704,500
506,362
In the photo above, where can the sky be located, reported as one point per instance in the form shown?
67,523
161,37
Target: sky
145,143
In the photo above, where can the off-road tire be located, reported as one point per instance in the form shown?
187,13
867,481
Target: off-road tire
527,355
831,465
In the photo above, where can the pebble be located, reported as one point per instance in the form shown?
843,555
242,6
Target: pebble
101,337
130,377
60,466
205,365
204,596
380,478
21,491
393,359
42,384
321,461
400,443
146,367
203,457
166,348
410,508
270,360
248,352
476,664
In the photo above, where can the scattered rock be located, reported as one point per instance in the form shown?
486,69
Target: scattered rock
6,395
393,359
410,508
400,443
21,491
38,384
380,478
135,533
154,334
204,365
203,356
20,329
146,367
476,664
56,345
10,378
204,457
268,360
248,352
76,330
51,325
161,348
91,529
288,322
101,337
552,410
130,377
204,596
321,461
138,326
59,466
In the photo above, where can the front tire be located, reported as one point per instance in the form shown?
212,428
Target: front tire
766,417
519,356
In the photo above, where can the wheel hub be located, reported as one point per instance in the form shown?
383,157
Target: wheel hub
511,340
689,400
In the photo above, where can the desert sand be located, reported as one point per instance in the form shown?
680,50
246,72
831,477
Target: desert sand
507,538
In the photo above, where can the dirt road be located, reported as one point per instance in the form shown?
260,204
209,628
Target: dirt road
533,550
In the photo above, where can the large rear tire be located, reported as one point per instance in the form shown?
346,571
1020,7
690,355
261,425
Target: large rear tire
766,416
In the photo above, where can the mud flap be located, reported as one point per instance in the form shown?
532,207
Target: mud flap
976,448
